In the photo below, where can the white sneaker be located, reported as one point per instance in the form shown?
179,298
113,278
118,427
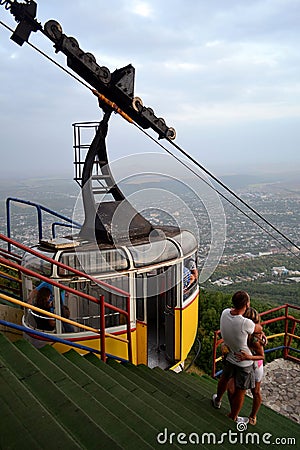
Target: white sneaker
215,403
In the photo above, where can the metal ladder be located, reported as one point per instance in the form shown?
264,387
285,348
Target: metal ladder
101,178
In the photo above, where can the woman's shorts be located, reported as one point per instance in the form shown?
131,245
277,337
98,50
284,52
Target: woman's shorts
259,373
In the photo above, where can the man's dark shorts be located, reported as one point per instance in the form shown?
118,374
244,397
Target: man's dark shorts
243,376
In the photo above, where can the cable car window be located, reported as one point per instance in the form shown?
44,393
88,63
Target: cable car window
140,309
153,253
114,318
171,286
187,241
140,294
37,264
87,312
82,310
190,275
94,262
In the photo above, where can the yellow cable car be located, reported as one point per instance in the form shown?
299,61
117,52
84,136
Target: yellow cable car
125,257
160,278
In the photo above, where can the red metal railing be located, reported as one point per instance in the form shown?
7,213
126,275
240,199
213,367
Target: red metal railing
11,275
288,336
103,304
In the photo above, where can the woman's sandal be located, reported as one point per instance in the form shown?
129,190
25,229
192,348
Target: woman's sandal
252,420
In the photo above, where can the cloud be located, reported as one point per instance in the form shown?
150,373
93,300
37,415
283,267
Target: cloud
222,114
203,64
142,9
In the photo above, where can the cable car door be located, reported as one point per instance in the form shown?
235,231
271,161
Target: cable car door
170,302
155,303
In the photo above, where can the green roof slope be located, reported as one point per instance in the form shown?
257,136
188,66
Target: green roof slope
49,400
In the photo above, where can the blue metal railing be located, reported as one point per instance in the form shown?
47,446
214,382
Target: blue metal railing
39,209
60,224
52,338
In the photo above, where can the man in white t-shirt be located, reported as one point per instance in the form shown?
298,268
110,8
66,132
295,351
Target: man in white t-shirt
235,330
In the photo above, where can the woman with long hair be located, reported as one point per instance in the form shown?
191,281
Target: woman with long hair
256,343
43,301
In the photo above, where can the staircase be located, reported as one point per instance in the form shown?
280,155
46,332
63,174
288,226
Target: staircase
54,401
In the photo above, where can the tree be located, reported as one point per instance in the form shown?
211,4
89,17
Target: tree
211,305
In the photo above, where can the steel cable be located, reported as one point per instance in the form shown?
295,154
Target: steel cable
193,160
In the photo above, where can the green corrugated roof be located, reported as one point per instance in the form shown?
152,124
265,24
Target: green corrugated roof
49,400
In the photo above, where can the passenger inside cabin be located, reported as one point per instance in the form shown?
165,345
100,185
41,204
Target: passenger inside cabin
190,273
43,301
44,284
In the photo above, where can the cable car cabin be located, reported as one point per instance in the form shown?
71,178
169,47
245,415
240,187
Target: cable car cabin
162,286
120,274
136,285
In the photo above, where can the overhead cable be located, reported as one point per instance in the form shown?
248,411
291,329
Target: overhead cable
193,160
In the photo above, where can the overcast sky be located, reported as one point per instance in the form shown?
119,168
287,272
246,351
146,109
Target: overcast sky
224,73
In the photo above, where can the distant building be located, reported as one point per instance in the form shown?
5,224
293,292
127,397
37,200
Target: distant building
265,253
223,282
278,271
294,279
250,255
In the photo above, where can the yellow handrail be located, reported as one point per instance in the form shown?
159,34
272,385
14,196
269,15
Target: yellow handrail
275,335
8,267
268,337
56,316
11,277
293,335
47,313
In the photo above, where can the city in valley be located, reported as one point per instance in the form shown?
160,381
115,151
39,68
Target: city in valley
251,251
